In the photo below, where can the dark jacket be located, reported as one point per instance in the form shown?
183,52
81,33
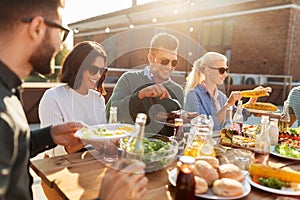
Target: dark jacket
17,143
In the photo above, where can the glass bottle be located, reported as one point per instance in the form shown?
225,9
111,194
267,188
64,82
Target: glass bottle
284,121
113,115
263,143
179,134
140,122
273,131
185,183
134,148
228,130
228,123
238,118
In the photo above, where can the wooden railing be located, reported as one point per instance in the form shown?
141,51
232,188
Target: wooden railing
281,85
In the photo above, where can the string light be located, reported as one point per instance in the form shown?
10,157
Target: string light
107,30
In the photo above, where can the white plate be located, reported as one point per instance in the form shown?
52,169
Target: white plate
273,152
260,111
209,194
272,190
127,129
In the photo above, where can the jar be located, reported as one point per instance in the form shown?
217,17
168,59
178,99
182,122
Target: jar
200,142
185,183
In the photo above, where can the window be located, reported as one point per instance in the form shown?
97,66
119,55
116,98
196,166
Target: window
217,34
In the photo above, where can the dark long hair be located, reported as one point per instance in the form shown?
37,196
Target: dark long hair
78,60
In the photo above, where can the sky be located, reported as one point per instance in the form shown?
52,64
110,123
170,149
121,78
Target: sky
77,10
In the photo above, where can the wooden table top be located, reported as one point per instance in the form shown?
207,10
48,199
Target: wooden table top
79,175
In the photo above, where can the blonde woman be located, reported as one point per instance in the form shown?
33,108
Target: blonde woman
202,94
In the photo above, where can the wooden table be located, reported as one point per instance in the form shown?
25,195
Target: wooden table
79,175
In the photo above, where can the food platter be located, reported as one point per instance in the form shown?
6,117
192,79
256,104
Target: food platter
261,111
209,194
104,132
273,152
272,190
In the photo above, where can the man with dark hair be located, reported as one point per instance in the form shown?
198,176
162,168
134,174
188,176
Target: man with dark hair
150,90
31,33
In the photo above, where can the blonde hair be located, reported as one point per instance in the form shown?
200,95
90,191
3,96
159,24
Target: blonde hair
196,76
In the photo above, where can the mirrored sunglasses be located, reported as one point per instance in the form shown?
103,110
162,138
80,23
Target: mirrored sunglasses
167,61
222,70
94,70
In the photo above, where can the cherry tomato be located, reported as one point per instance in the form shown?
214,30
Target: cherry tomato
255,179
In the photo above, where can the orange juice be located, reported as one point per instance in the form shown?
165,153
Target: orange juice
199,148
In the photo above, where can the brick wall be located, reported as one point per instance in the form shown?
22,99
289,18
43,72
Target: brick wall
259,43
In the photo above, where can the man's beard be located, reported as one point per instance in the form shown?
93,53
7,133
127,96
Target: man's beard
41,58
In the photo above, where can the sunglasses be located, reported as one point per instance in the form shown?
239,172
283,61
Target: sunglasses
63,33
222,70
94,70
166,61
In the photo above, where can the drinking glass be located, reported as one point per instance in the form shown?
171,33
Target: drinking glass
110,151
242,158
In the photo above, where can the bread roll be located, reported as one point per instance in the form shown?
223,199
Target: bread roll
214,162
231,171
206,171
227,187
201,185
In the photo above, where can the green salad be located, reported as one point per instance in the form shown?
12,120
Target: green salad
150,145
286,150
157,153
272,183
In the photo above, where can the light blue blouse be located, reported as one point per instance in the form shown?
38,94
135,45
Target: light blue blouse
199,100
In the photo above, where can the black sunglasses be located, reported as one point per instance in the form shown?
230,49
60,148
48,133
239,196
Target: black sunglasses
94,70
166,61
64,31
222,70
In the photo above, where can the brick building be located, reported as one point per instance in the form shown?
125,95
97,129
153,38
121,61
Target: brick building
258,37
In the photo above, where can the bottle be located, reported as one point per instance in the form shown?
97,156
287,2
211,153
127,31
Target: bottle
228,130
273,131
263,143
185,183
134,148
228,123
140,122
284,121
178,128
238,118
113,115
179,134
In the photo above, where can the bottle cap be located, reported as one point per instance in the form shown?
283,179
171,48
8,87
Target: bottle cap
178,122
113,108
141,118
187,159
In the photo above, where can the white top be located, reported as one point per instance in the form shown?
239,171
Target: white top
63,104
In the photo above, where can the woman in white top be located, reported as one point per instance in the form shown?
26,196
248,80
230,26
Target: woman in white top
80,98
